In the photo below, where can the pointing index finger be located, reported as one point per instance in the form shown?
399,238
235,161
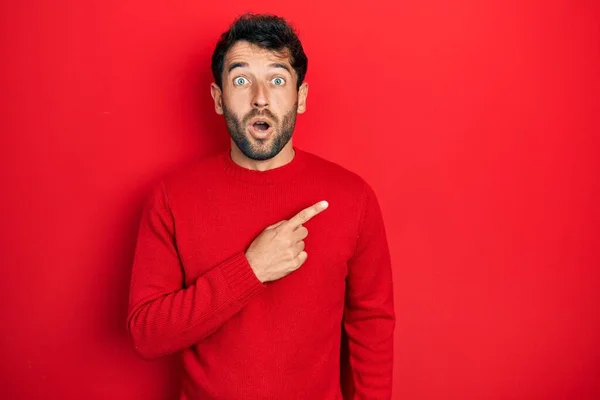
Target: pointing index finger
306,214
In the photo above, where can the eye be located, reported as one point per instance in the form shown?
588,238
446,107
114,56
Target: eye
240,80
278,81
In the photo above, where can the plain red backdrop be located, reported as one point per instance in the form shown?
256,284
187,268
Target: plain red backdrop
476,122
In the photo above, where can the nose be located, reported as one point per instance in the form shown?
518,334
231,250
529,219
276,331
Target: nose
260,96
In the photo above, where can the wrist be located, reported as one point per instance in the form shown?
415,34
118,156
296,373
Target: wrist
252,264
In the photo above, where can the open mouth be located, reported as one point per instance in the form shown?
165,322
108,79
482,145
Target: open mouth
261,126
260,129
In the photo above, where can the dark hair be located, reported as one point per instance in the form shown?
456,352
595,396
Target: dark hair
266,31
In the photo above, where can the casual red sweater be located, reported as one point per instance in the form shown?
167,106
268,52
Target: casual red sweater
194,292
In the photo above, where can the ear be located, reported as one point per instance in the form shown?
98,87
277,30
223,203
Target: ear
302,94
217,96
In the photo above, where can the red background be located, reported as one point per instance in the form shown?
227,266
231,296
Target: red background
476,122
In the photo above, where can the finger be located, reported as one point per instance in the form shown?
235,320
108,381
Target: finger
299,247
300,234
301,258
306,214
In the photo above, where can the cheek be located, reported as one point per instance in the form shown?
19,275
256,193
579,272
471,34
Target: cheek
285,101
238,103
236,99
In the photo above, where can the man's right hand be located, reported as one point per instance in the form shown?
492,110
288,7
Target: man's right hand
279,249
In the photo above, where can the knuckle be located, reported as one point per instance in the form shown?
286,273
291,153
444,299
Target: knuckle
277,224
304,215
302,258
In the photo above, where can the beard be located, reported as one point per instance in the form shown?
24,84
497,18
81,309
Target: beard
257,149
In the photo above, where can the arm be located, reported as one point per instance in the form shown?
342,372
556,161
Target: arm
369,317
164,317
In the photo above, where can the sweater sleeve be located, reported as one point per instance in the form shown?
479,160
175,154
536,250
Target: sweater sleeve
164,316
369,317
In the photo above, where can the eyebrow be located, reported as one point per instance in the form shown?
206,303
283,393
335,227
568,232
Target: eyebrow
281,65
237,65
245,65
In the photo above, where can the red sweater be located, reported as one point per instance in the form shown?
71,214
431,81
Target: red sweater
193,291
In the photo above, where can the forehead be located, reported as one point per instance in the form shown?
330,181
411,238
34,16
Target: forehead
243,51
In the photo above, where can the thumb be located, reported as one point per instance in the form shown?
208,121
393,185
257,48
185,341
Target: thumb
275,225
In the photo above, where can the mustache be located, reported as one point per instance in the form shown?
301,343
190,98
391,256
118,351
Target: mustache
257,113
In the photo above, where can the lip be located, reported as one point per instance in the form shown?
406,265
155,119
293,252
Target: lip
258,134
260,119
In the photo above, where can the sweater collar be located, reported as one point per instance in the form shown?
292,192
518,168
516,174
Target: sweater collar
282,173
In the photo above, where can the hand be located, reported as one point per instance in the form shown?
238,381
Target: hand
279,249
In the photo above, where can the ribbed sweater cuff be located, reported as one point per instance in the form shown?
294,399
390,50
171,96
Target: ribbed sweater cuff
240,277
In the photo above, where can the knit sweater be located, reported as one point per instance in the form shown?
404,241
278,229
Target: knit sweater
193,291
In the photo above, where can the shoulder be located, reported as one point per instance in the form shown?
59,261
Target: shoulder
347,186
195,175
338,176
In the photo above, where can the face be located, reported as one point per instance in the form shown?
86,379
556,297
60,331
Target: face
259,100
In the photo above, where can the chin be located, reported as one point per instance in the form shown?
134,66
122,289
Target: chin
259,150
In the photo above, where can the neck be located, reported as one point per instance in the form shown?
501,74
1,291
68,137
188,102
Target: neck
283,157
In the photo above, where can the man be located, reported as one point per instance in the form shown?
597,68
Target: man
252,262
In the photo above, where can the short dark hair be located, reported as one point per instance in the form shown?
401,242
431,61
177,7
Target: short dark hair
266,31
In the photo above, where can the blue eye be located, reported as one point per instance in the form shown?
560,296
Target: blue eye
240,80
278,81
